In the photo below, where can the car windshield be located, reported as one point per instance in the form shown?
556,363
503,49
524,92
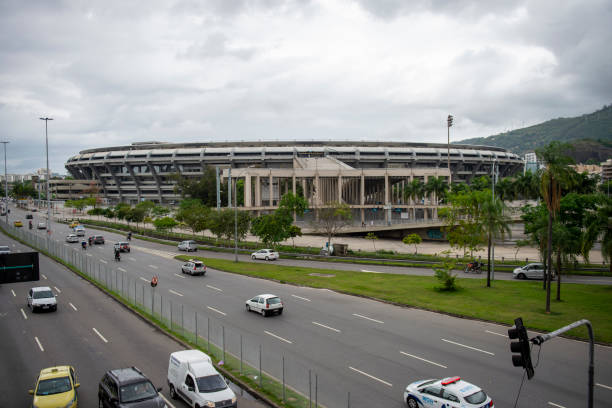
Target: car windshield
274,301
54,386
211,383
476,398
43,294
137,391
198,264
4,248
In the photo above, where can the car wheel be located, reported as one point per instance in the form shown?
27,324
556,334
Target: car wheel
248,309
280,312
264,313
253,257
129,250
522,276
195,249
173,392
267,258
412,403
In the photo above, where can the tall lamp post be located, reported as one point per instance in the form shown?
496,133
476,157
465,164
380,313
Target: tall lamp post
48,177
449,123
5,185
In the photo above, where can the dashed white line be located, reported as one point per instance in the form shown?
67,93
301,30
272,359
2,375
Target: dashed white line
71,305
153,266
67,245
39,345
327,327
43,275
604,386
367,318
422,359
99,335
371,376
175,292
555,405
121,269
278,337
89,254
468,347
216,310
146,280
167,402
497,334
132,259
13,292
302,298
25,316
214,288
182,277
56,288
103,261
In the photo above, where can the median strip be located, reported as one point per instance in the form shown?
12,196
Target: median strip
422,359
278,337
99,335
468,347
371,376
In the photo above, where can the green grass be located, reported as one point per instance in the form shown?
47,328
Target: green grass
501,303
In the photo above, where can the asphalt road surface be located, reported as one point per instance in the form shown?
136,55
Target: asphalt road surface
364,347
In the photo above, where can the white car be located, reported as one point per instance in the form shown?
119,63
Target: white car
448,392
42,225
194,267
267,254
4,250
188,246
265,304
530,271
79,230
72,238
41,298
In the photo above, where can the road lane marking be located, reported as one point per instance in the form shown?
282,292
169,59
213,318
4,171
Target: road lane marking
468,347
67,245
89,255
43,275
56,288
13,292
176,293
422,359
278,337
555,405
497,334
75,309
24,315
39,345
121,269
99,335
215,310
367,318
369,271
146,280
212,287
327,327
153,266
604,386
299,297
372,377
182,277
132,259
103,261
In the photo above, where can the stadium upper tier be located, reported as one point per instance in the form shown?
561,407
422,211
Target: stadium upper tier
143,170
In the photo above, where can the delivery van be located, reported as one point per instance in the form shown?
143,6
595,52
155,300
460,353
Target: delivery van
193,378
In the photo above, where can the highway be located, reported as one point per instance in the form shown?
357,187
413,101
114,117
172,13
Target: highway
368,348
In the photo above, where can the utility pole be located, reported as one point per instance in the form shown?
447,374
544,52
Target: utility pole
449,123
48,177
493,180
235,224
218,189
5,185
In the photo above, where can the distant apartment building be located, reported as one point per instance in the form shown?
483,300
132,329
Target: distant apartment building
531,162
606,171
62,189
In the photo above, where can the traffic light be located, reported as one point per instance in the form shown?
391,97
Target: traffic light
521,346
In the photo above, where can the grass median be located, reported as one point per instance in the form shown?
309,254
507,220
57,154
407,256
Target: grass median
501,303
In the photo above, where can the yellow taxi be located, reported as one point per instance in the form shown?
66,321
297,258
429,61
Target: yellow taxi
55,387
74,224
18,223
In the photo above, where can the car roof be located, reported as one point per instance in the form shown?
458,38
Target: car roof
127,375
40,288
459,386
267,296
203,369
122,242
54,372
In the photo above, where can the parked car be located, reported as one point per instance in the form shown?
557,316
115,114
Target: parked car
56,387
41,298
29,216
128,387
265,304
123,246
72,238
188,246
194,267
42,225
530,271
18,223
4,249
97,239
267,254
448,392
193,377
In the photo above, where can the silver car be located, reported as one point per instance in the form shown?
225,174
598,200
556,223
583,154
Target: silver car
188,246
530,271
193,267
41,298
267,254
72,238
265,304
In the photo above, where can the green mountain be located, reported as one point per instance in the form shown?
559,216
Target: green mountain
593,130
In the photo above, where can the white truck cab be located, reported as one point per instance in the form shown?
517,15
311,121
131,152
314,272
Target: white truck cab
193,378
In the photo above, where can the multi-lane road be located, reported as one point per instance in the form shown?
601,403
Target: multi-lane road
364,347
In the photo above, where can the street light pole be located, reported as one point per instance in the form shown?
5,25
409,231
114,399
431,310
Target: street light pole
5,185
449,123
48,177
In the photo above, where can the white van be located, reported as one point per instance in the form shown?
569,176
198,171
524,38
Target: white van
79,230
192,376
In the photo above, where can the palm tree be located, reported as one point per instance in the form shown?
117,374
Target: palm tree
600,224
556,174
525,185
494,223
437,186
414,189
505,189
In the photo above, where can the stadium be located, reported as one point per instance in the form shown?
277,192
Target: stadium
368,176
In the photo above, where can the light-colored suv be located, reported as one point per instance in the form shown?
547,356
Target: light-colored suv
41,298
188,246
194,267
265,304
267,254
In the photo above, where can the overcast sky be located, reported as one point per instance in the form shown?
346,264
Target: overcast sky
116,72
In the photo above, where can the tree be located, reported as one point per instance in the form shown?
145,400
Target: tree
494,223
414,190
412,239
21,190
221,223
555,175
332,218
599,224
372,237
461,219
135,215
480,183
294,231
165,224
526,186
291,203
192,213
203,188
160,211
270,229
504,189
147,206
122,211
438,186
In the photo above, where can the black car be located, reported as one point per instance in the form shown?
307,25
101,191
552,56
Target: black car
29,217
128,387
96,239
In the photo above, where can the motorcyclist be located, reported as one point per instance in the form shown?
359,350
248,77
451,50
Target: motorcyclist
129,236
30,224
84,244
117,254
90,240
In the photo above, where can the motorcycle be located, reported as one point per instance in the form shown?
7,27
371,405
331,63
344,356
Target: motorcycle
117,256
30,225
84,245
475,267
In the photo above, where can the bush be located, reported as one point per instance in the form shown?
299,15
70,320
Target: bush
445,276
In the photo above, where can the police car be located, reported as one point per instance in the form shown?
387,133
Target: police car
450,392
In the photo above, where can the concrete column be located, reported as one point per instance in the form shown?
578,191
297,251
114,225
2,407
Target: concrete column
257,191
362,191
340,188
247,191
317,186
271,190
